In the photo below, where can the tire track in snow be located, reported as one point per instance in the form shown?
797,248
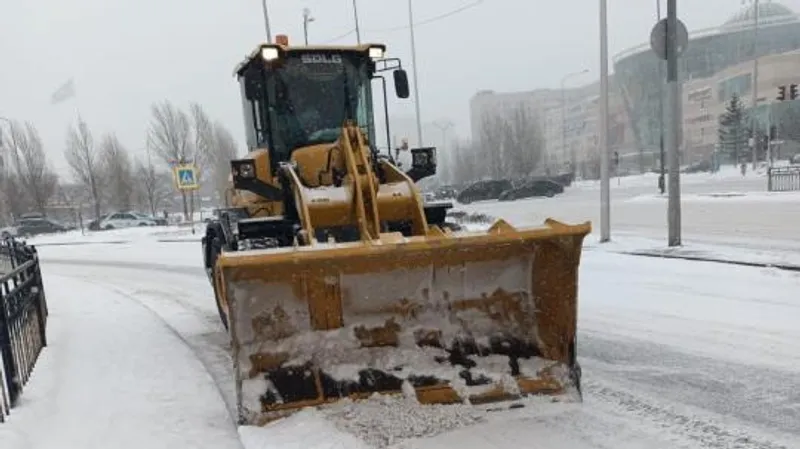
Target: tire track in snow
717,403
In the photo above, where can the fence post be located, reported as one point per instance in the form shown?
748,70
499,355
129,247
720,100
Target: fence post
9,365
769,179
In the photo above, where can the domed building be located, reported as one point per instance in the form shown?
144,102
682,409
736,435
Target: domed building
727,51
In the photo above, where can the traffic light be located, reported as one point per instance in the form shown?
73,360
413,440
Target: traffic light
781,93
793,91
616,158
773,132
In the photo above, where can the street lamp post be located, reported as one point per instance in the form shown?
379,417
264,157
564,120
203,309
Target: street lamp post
355,16
662,181
266,20
674,119
755,81
306,19
564,111
416,73
605,187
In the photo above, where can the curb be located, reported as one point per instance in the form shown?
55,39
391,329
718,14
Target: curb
780,266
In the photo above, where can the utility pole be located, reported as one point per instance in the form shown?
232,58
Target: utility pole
266,21
662,179
605,186
306,19
673,131
355,16
416,73
754,121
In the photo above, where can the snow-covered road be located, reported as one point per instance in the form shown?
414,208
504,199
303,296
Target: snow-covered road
676,354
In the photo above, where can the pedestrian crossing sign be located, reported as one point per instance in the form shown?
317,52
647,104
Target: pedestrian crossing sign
186,177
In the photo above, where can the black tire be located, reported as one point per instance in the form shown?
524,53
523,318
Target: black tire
108,227
214,251
454,227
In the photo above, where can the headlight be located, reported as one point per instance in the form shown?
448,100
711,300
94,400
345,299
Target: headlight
247,171
269,53
375,52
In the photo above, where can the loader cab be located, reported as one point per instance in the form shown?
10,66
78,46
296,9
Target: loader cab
295,97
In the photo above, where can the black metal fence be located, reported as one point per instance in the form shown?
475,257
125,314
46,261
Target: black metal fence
783,179
23,319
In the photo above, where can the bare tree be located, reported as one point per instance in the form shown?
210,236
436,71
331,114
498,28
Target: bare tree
523,142
15,201
118,172
491,144
152,187
204,139
29,161
170,137
83,160
225,150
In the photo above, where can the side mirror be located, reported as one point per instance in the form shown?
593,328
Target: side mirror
400,83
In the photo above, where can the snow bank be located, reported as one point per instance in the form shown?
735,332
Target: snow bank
306,429
726,173
383,421
145,233
780,254
730,197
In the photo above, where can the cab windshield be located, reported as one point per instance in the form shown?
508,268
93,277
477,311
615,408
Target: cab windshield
311,96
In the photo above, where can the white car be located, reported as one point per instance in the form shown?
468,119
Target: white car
121,220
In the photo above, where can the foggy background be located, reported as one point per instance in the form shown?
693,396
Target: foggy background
124,55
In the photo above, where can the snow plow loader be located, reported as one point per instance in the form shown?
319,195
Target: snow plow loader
335,280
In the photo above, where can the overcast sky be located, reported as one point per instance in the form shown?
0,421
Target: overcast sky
126,54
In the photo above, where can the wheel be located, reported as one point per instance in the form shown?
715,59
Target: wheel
222,305
550,194
454,227
142,224
108,227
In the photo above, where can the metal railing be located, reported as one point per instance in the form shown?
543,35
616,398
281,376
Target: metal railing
23,320
783,179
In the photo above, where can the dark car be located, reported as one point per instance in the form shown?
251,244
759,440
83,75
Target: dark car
539,187
445,193
94,225
28,227
483,190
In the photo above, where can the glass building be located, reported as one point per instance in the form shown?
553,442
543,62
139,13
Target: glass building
638,70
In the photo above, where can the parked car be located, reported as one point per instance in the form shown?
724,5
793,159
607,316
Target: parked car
8,232
445,193
121,220
539,187
94,225
483,190
160,221
37,225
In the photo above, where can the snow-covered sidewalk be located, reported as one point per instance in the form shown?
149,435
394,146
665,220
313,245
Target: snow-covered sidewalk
115,376
761,253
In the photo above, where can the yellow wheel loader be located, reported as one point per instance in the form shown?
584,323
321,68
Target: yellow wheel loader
335,280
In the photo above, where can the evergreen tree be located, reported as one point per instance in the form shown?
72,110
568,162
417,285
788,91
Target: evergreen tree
733,133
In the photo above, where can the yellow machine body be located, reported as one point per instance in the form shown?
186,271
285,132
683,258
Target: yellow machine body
446,316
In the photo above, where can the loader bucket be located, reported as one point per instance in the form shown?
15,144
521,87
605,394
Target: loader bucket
451,317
